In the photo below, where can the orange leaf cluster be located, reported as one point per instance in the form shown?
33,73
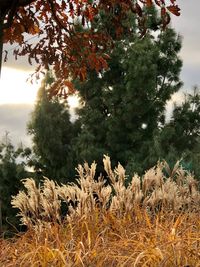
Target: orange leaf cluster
174,9
59,42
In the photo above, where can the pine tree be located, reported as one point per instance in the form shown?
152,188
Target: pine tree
180,137
12,170
52,133
124,106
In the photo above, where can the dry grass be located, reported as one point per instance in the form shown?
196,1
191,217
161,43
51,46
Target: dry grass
154,221
104,240
159,189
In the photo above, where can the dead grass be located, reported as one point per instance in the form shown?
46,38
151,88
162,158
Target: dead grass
154,221
105,240
159,189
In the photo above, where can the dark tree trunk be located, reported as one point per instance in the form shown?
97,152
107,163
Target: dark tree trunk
1,225
1,44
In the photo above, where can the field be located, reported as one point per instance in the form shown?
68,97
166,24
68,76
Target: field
153,221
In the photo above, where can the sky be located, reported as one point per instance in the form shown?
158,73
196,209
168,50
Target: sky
17,96
187,25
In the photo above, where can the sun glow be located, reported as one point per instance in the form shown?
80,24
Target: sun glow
14,88
73,101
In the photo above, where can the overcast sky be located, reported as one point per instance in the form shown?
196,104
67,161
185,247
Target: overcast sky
188,26
13,117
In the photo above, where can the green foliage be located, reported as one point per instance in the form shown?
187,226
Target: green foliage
52,134
12,170
124,106
179,138
122,109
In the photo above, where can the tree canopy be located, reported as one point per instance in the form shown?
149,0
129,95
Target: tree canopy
12,170
128,101
179,138
62,45
52,135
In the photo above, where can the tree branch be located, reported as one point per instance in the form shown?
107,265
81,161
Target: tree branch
6,4
58,21
1,43
11,13
25,2
9,8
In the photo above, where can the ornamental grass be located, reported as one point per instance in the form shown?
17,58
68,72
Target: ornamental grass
154,220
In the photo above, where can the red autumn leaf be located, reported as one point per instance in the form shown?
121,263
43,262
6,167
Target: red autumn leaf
163,11
90,11
103,62
149,3
34,29
78,10
63,4
82,73
138,10
174,9
119,31
166,20
70,86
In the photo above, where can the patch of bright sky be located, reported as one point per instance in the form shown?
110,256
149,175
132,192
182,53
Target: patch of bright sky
14,88
73,101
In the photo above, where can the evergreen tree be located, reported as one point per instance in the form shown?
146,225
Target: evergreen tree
52,133
12,170
124,106
180,137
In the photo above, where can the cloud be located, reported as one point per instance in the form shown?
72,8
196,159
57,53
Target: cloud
20,64
187,25
22,61
13,119
191,76
176,99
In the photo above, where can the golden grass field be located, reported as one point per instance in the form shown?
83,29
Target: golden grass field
153,221
104,240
